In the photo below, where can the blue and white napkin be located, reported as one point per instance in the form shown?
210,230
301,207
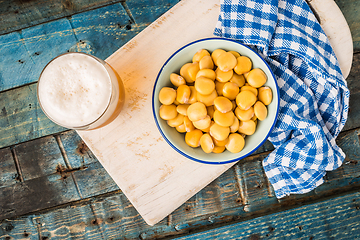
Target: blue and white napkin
314,95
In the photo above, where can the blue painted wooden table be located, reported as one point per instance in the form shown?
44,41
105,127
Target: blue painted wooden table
53,187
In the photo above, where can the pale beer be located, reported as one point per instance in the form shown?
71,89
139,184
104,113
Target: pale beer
79,91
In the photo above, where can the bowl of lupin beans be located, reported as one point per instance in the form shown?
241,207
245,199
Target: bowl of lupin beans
215,101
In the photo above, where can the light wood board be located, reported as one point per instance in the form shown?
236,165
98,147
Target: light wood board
153,176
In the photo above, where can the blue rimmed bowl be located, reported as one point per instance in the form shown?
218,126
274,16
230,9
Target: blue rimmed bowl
177,140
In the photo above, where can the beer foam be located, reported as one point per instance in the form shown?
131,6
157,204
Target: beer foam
74,89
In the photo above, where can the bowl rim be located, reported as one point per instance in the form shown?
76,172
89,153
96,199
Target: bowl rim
183,153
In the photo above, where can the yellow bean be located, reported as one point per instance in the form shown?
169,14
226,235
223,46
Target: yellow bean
193,138
204,85
208,73
208,100
243,65
236,54
189,126
238,79
219,87
265,95
221,143
226,61
218,149
182,109
247,127
184,72
168,112
196,111
256,78
200,54
249,88
177,80
245,100
230,90
222,76
236,143
167,95
206,63
192,71
181,128
224,119
260,110
183,94
218,132
223,104
193,95
244,115
235,126
206,143
177,121
215,55
203,123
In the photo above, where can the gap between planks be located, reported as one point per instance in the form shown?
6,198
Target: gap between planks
67,162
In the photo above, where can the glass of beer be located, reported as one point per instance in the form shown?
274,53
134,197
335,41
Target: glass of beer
80,91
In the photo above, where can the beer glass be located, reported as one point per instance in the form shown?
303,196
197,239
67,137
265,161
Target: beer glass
80,91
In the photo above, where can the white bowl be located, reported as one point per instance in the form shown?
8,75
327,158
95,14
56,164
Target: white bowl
177,140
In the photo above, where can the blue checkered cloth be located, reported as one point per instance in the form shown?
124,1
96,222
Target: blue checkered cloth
314,97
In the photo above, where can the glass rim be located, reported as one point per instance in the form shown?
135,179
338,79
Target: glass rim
86,126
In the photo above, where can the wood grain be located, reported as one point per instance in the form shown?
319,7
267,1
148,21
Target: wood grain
36,194
21,118
336,218
8,172
16,15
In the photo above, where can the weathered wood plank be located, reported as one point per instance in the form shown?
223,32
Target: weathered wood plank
21,118
93,180
77,152
143,13
16,15
336,218
104,29
39,157
21,228
37,194
8,172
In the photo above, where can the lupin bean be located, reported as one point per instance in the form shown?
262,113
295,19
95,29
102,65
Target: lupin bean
236,143
260,110
243,65
204,85
196,111
167,95
192,138
265,95
256,78
207,143
177,80
168,112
